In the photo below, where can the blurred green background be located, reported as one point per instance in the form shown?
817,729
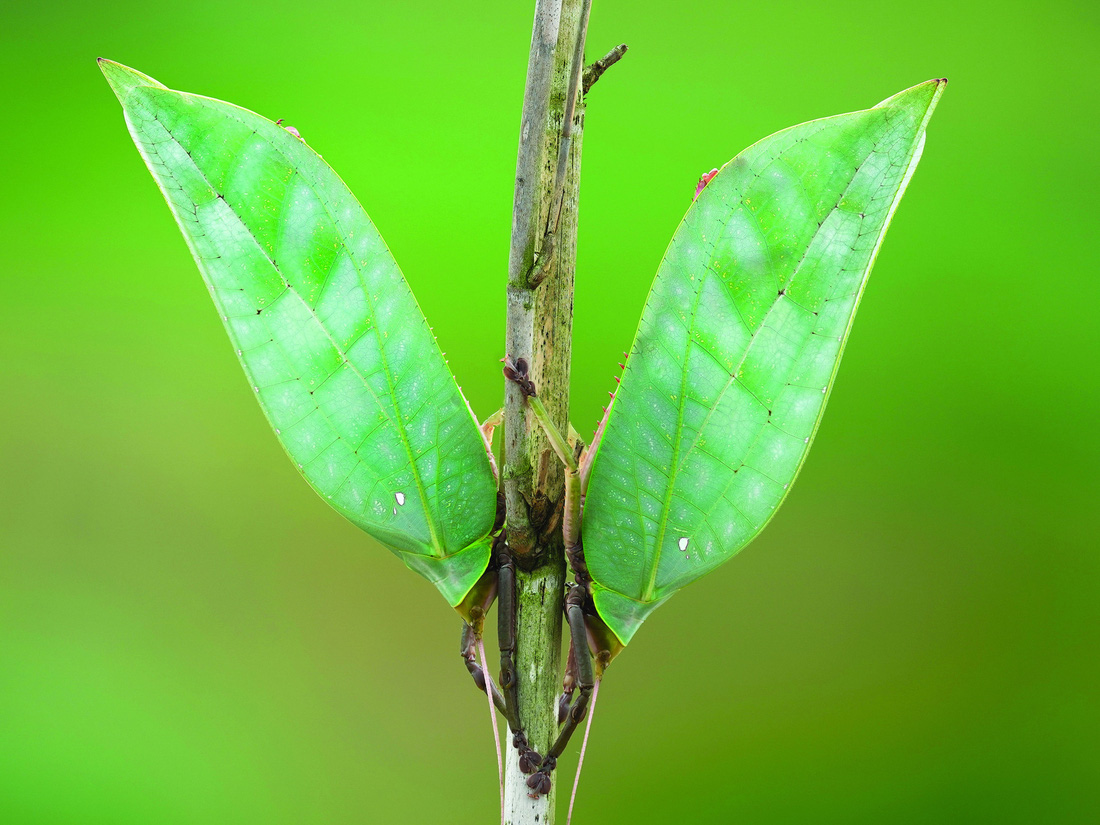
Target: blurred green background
188,634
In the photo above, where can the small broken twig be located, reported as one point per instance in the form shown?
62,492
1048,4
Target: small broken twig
594,71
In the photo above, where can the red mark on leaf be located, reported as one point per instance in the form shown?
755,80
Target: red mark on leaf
703,181
290,129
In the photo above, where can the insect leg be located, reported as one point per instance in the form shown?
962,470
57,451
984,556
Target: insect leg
571,532
467,650
586,680
529,759
568,684
518,372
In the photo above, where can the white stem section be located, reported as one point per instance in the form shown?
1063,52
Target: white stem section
519,807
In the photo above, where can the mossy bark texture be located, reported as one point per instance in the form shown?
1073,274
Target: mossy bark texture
540,325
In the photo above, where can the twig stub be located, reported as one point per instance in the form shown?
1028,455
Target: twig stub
594,71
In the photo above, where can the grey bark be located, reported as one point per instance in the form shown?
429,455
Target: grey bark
540,324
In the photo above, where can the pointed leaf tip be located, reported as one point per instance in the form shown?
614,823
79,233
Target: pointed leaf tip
924,96
123,79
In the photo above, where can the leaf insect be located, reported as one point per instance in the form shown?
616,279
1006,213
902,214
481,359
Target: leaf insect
720,397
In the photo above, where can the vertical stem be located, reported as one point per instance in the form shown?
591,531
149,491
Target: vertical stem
540,324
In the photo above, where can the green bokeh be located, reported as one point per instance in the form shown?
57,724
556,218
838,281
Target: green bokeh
189,635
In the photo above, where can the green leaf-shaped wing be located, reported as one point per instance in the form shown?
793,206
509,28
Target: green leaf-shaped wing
737,349
326,328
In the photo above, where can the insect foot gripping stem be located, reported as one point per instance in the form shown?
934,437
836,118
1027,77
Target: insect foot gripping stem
529,758
517,371
539,782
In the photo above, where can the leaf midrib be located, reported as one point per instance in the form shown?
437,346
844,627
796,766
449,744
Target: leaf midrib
666,504
677,459
436,546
